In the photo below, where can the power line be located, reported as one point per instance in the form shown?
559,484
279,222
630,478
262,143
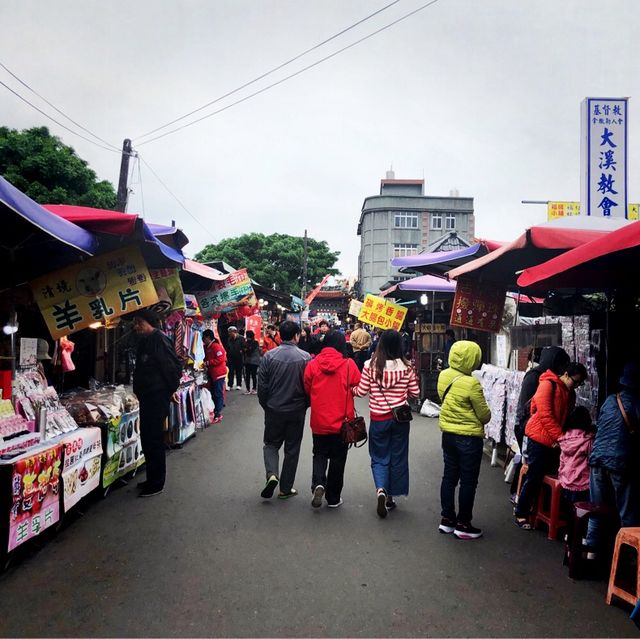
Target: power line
46,115
55,108
293,75
264,75
176,198
140,182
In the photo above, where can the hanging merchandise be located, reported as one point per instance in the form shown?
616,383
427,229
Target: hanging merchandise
66,348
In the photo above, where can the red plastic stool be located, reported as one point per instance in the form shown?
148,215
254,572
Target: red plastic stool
551,517
625,537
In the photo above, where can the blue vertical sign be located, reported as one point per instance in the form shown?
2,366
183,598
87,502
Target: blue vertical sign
604,157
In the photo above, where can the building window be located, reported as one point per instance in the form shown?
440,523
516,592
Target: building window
436,221
402,250
404,220
450,222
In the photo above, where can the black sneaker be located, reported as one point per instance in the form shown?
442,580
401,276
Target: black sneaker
149,491
390,505
267,491
467,531
318,494
446,526
382,503
142,484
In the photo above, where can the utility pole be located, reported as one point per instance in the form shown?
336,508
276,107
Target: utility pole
304,266
123,192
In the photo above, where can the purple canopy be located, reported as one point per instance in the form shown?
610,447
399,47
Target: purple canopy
428,259
427,283
35,241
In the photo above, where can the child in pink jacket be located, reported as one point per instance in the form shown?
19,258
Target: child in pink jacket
575,446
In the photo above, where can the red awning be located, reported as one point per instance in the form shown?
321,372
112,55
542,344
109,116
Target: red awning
96,220
602,264
536,245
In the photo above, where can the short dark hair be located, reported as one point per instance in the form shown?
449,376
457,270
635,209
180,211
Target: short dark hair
288,330
250,334
148,316
271,327
334,339
575,368
321,322
208,333
579,419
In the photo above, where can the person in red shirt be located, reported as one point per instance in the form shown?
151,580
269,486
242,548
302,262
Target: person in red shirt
328,380
215,359
271,339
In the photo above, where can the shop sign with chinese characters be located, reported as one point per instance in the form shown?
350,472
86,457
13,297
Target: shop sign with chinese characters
82,461
478,308
381,313
557,210
35,487
604,157
229,294
102,288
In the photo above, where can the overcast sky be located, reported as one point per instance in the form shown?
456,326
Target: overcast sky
478,95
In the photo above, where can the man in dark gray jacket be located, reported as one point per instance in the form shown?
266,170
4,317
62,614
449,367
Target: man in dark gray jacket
281,395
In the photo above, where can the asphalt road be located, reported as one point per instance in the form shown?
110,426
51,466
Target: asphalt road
209,557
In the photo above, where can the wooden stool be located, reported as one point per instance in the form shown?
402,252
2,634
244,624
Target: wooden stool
625,537
553,516
583,511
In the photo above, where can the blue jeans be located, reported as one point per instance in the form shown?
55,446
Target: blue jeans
389,451
462,458
616,490
217,392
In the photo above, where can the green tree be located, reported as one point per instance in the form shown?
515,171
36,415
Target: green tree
50,172
274,259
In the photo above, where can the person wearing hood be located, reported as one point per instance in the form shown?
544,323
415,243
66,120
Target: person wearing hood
551,404
328,381
463,414
575,446
389,381
614,460
551,357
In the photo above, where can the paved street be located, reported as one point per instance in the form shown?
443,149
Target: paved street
210,558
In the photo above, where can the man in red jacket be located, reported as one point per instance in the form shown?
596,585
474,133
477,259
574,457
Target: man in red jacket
215,359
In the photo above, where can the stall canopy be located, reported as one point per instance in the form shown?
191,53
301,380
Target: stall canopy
113,226
420,284
197,277
604,263
536,245
34,241
440,262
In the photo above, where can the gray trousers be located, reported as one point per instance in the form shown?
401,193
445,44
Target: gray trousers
283,428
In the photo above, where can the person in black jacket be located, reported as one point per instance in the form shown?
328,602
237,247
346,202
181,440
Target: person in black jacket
155,379
551,357
235,358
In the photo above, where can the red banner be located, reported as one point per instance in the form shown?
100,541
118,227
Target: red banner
477,307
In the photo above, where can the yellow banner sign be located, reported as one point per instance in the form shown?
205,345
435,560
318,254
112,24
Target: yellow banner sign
568,209
102,288
381,313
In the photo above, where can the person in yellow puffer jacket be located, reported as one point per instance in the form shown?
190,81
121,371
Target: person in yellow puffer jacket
463,414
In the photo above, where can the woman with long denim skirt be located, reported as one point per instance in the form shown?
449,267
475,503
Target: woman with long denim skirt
389,381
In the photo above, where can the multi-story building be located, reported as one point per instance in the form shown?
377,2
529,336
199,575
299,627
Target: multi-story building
402,220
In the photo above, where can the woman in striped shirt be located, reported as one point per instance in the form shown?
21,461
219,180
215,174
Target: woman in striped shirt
389,381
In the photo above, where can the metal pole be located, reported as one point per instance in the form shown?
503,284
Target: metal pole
123,192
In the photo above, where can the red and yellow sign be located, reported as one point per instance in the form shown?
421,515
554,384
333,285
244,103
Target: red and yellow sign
568,209
381,313
476,308
100,289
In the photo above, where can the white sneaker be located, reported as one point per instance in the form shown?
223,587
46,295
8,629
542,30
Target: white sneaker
229,388
318,494
238,387
336,505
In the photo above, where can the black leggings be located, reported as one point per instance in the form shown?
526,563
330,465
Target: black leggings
251,373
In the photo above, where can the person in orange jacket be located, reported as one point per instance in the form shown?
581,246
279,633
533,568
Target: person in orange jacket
550,406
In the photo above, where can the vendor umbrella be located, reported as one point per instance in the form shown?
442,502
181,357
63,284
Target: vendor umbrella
604,263
536,245
35,241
